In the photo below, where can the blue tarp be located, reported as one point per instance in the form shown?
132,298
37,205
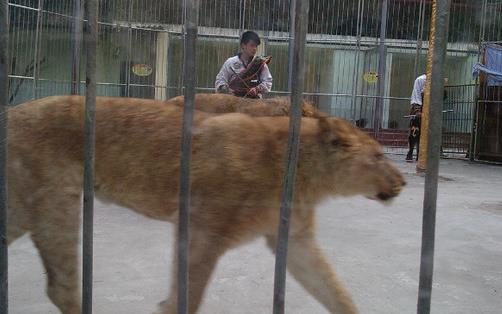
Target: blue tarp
492,66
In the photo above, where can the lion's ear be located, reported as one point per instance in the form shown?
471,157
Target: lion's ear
329,133
326,133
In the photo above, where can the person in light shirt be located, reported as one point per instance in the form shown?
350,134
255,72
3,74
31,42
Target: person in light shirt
245,74
416,101
417,96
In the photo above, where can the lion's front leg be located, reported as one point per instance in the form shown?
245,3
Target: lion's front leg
308,265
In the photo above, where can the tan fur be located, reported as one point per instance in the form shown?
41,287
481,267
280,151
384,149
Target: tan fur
225,103
236,179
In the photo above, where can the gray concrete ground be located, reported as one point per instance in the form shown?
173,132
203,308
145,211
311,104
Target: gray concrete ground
374,248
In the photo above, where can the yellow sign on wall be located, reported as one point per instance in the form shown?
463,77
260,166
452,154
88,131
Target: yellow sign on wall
370,77
142,69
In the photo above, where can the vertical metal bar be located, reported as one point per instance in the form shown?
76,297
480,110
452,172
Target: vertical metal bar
242,16
75,47
4,90
291,160
419,38
474,128
497,128
168,65
189,79
36,56
475,115
355,76
382,67
440,38
91,37
181,81
129,49
291,51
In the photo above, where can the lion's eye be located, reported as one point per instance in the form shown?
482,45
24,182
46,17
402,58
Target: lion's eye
339,143
379,156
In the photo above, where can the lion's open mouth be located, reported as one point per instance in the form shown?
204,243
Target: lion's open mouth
387,195
382,196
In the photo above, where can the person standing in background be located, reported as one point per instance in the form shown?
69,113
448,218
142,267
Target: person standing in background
245,75
415,115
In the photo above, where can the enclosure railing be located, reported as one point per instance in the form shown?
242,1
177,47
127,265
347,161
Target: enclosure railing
348,44
342,30
458,119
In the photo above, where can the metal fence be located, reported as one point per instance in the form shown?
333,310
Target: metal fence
141,43
190,9
487,144
458,119
140,51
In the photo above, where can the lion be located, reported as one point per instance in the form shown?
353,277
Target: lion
236,181
225,103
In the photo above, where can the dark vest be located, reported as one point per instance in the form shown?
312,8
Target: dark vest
249,77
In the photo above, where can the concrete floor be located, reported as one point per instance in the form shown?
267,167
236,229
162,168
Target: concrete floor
374,248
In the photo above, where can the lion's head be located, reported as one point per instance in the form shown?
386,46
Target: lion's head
355,162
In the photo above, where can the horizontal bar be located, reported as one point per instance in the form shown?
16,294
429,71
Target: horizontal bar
15,5
212,89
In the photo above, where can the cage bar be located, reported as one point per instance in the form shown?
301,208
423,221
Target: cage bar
4,80
191,8
440,33
91,38
297,84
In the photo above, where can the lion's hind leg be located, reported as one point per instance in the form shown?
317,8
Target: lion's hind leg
14,225
56,235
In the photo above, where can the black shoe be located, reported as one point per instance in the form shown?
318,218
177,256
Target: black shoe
409,158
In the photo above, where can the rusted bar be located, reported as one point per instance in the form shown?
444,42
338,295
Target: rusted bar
439,34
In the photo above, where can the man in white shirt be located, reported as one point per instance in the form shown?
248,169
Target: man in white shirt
245,75
417,97
418,89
